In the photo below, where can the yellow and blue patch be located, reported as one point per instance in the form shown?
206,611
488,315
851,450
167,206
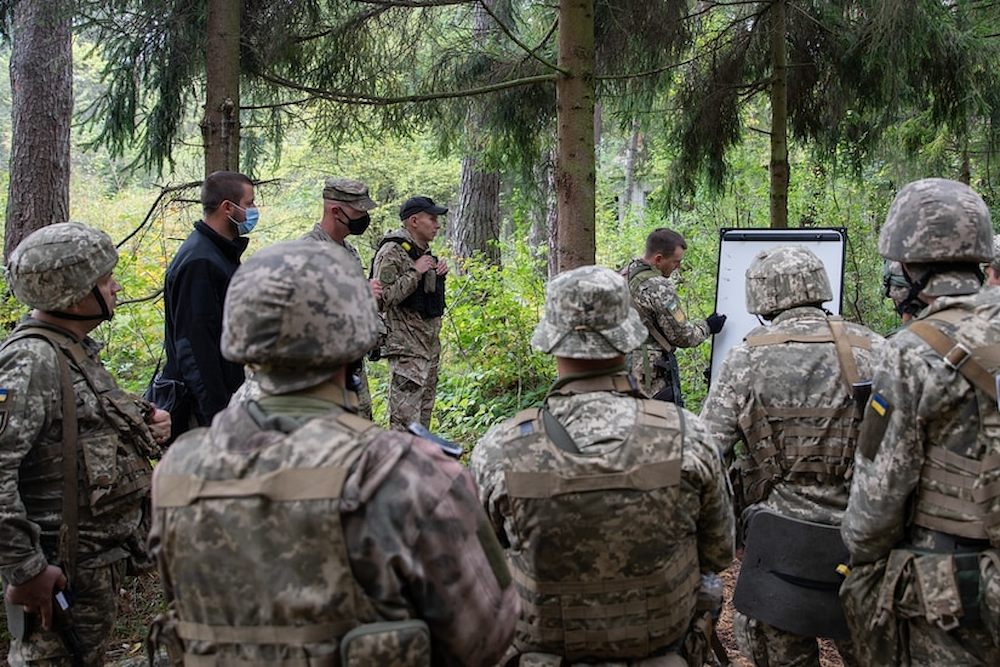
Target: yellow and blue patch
879,405
4,395
675,310
874,426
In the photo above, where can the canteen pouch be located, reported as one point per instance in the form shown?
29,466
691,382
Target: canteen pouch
387,644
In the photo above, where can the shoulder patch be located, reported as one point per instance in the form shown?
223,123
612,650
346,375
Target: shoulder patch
406,246
675,310
873,426
5,394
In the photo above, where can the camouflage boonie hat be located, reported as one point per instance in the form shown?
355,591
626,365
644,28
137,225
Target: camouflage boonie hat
58,265
296,311
348,191
589,315
937,220
783,277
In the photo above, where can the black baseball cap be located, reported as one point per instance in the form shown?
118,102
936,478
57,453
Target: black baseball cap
415,205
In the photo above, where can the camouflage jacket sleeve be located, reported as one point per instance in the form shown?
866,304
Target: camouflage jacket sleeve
486,466
657,299
30,378
908,390
705,495
421,546
725,402
394,269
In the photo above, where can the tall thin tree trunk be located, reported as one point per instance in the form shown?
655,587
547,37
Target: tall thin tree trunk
575,164
779,117
477,219
220,128
631,150
41,82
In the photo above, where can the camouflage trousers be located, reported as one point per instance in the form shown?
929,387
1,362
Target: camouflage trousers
412,390
364,394
95,611
765,645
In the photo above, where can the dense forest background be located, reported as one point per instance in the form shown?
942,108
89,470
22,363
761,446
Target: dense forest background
489,370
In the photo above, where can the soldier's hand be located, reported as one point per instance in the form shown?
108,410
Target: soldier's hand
423,263
715,322
441,268
35,595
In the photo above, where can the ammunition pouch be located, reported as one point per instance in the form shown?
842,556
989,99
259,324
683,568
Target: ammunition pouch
789,576
162,633
869,615
389,644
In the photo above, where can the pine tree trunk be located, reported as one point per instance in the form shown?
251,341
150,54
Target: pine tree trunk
779,117
41,82
631,150
220,128
477,219
477,229
575,168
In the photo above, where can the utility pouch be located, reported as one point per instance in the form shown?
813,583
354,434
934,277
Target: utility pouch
989,581
873,625
387,644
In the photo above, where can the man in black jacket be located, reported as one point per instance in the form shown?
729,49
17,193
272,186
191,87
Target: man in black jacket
194,291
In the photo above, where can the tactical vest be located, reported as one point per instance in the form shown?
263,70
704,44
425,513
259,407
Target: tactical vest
966,486
427,304
286,594
636,276
602,573
114,458
778,446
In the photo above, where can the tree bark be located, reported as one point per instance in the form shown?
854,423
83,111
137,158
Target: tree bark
477,218
779,117
575,163
41,82
220,127
631,151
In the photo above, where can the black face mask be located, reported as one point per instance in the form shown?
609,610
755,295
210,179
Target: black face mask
358,225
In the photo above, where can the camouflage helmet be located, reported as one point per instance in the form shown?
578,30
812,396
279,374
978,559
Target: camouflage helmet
589,315
296,311
58,265
937,220
783,277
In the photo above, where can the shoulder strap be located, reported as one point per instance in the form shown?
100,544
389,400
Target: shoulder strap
957,355
69,530
413,251
848,367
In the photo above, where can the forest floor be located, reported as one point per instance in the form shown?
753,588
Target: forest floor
141,599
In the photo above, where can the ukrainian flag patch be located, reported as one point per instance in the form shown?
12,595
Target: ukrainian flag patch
879,405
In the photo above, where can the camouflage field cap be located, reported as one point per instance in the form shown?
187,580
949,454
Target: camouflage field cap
58,265
937,220
783,277
589,315
348,191
295,311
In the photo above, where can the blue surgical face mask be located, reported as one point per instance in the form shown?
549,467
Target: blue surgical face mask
252,216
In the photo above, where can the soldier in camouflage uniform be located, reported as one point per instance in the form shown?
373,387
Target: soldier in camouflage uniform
992,269
64,272
896,288
610,505
294,530
345,212
412,303
921,524
786,395
655,297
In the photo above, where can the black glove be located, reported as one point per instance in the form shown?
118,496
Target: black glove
715,322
